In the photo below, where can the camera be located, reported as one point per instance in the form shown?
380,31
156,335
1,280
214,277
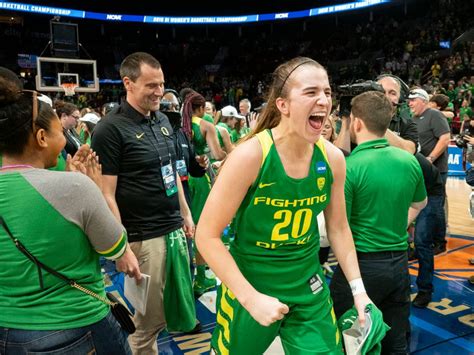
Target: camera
460,141
348,91
166,105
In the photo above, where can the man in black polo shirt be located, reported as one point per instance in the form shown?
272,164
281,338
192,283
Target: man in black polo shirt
140,185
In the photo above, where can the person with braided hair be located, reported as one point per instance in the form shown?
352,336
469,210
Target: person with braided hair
205,140
282,176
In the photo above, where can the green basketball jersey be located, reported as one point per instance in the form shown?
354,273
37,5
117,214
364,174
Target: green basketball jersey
199,142
222,124
277,238
219,138
207,117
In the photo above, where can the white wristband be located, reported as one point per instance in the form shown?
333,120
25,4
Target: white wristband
357,286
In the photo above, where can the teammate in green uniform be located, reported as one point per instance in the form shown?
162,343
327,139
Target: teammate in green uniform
272,283
204,139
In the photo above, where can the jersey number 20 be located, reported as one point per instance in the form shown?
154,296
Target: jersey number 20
300,221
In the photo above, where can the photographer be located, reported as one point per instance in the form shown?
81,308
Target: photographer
402,131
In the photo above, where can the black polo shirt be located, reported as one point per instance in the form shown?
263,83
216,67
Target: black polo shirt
134,148
405,127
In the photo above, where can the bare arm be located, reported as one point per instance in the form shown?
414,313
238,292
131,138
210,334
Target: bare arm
109,185
228,146
212,141
414,210
397,141
188,227
343,139
128,263
441,146
219,209
337,227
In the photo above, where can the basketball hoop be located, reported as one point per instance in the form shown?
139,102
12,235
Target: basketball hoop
69,88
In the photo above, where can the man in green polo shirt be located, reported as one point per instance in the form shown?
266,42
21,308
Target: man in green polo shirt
384,193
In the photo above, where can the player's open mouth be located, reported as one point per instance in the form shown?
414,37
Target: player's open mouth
316,120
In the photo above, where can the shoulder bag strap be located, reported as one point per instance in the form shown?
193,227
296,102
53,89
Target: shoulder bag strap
40,266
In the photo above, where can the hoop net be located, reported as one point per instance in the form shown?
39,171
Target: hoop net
69,88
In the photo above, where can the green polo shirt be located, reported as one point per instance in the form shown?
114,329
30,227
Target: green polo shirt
381,183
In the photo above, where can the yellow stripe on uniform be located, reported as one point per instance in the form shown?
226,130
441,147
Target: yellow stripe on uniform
333,315
225,325
230,294
227,308
266,142
322,148
334,320
220,345
196,120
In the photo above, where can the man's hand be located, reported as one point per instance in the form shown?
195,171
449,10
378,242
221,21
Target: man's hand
203,160
361,301
128,264
188,227
469,139
266,310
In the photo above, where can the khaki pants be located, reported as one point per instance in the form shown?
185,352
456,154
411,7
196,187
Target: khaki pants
151,255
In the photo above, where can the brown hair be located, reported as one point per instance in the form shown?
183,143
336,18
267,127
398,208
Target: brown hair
332,122
442,101
374,109
130,66
64,107
280,87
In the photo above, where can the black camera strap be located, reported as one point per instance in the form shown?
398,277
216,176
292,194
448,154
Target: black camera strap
40,266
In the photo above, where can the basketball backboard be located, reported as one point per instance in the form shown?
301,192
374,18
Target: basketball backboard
53,72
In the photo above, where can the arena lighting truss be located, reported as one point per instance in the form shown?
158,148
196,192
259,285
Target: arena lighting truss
208,20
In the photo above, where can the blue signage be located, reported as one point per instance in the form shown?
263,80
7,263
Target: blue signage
55,11
455,161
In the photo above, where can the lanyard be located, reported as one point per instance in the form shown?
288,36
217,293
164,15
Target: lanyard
155,142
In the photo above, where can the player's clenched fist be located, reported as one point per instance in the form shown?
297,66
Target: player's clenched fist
265,309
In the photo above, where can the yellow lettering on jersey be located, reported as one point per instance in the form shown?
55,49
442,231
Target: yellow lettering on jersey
266,245
263,245
299,222
278,202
